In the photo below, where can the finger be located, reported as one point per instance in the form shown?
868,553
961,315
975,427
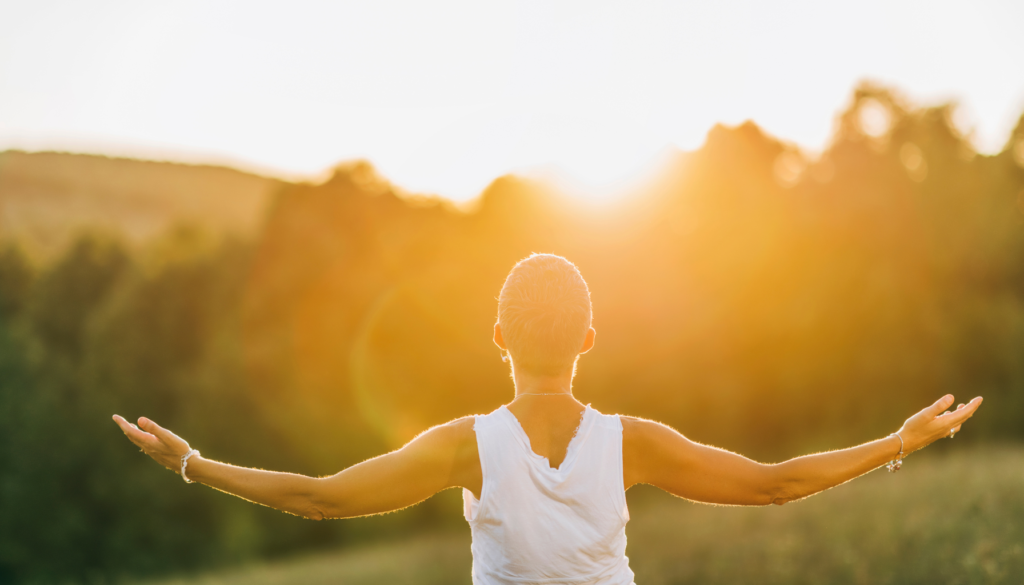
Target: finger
127,427
940,405
956,418
137,436
151,427
143,443
961,414
139,441
142,446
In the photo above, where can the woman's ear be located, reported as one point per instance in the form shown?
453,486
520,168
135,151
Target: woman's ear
498,339
588,341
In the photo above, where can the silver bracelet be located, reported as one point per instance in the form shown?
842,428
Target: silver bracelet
184,463
894,465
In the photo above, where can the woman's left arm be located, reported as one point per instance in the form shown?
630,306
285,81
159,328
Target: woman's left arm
810,474
658,455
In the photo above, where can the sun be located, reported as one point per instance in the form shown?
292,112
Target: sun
594,156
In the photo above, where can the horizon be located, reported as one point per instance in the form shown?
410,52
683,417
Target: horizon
443,106
549,176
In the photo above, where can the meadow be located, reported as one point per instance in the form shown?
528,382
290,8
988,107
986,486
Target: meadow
750,295
954,517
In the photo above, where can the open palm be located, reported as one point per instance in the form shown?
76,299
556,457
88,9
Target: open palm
162,445
935,422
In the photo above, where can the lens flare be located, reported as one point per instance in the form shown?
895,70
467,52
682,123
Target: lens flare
913,160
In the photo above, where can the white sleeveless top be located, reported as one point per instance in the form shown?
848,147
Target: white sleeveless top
535,524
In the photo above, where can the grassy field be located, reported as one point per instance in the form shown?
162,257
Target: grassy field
945,518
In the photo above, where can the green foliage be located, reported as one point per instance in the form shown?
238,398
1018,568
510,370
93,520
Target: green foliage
750,297
68,294
15,281
101,334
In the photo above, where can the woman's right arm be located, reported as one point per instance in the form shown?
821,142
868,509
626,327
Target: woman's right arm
442,457
656,454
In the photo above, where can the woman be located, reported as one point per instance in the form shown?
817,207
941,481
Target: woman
544,477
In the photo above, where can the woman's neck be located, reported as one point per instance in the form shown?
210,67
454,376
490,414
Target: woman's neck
528,384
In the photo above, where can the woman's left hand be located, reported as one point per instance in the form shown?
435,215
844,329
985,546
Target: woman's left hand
932,424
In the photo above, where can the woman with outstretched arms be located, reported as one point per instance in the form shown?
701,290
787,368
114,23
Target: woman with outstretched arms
544,477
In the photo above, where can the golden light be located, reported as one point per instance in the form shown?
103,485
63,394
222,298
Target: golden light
913,160
1018,153
788,168
874,119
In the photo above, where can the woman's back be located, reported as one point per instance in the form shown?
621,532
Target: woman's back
534,523
541,524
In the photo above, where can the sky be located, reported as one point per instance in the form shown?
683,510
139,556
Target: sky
445,96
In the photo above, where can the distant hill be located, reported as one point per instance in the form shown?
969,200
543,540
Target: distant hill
47,198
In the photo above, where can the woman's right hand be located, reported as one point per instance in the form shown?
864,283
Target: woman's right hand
935,422
162,445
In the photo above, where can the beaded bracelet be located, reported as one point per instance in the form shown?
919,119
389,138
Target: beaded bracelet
894,466
184,463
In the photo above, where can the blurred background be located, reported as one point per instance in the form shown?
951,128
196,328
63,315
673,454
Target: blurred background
178,240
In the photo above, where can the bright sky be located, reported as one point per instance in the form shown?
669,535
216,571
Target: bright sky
444,96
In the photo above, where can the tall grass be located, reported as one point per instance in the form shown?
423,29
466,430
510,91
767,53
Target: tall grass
948,518
956,518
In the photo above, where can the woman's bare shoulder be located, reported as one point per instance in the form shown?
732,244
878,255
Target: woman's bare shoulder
637,427
647,438
452,432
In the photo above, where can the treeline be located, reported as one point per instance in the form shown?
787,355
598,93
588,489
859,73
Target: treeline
750,297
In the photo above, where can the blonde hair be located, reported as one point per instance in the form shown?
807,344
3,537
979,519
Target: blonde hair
544,312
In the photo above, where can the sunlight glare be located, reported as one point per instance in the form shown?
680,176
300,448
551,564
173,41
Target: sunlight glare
874,118
788,168
913,160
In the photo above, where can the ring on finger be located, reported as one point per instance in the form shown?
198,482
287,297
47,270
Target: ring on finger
951,433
